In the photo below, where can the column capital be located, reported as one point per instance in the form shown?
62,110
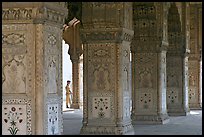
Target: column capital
110,35
34,12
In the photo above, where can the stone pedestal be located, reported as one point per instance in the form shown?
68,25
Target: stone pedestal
107,95
31,69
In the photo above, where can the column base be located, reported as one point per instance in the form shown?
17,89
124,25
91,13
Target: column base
75,106
177,112
195,107
150,119
107,130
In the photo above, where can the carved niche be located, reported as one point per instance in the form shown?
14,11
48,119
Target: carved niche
174,30
174,79
52,60
145,81
14,80
101,78
101,70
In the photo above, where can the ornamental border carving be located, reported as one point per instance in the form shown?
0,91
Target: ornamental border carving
41,13
107,36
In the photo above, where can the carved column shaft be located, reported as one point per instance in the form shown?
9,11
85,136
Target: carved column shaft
176,54
194,57
32,47
185,54
75,83
149,61
107,94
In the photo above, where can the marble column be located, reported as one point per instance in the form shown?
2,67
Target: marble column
195,57
75,82
149,63
177,84
32,67
106,42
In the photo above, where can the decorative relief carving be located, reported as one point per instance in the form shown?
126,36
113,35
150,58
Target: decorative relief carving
13,39
101,53
102,15
33,13
55,16
101,78
100,36
101,66
52,44
192,95
172,79
145,78
52,81
101,107
145,101
101,130
16,116
51,40
144,11
174,31
13,27
193,90
172,96
53,118
17,14
14,75
193,30
144,58
191,80
107,36
145,24
145,70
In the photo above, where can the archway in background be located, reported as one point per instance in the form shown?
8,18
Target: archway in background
66,71
67,74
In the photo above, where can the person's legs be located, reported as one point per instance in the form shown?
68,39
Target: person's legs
70,100
67,101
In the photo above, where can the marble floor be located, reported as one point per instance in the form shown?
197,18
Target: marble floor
178,125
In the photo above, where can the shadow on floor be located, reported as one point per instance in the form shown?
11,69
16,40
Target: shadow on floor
179,125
